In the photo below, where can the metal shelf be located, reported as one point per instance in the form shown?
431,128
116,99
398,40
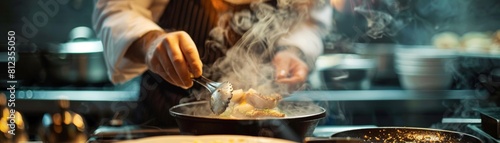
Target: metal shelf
78,95
385,95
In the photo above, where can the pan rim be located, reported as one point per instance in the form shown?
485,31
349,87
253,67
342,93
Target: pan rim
313,116
411,128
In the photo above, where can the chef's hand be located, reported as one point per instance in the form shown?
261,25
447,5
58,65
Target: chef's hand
175,58
290,67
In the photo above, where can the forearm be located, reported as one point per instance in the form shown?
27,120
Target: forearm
138,49
119,24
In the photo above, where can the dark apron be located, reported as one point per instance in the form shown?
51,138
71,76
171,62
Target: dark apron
197,18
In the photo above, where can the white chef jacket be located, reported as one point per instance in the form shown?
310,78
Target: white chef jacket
120,22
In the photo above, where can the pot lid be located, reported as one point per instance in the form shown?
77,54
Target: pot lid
79,47
81,40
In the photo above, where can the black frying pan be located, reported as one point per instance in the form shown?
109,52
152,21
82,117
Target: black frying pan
408,134
195,119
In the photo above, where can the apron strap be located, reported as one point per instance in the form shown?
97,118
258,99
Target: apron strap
157,96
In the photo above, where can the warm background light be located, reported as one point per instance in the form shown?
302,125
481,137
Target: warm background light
338,4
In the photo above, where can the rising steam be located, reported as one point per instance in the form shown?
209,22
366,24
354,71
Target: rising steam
252,35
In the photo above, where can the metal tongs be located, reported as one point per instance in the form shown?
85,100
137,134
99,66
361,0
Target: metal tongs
221,93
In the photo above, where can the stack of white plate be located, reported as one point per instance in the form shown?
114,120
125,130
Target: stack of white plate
424,67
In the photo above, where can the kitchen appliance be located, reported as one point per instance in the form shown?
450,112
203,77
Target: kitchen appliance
195,119
490,121
408,134
484,125
80,61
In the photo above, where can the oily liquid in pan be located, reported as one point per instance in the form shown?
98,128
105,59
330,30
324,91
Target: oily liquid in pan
277,108
408,135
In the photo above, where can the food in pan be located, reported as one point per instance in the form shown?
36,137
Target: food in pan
252,104
407,135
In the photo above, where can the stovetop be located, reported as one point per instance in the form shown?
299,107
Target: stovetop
470,126
105,134
478,132
108,134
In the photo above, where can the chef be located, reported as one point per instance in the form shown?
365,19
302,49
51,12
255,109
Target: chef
165,42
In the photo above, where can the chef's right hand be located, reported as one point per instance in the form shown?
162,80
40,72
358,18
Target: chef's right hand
175,58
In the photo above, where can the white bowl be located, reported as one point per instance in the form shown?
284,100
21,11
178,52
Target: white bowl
425,82
402,69
418,53
425,62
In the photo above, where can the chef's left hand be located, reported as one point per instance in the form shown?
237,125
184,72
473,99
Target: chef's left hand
290,68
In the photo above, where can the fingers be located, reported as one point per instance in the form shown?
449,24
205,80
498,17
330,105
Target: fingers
178,62
281,67
298,75
290,69
176,59
164,67
157,66
188,49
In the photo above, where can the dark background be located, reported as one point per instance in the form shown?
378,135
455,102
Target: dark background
70,14
416,21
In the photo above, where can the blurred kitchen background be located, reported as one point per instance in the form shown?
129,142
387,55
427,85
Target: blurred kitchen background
421,63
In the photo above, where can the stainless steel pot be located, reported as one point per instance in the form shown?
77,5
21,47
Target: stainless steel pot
195,119
342,72
79,62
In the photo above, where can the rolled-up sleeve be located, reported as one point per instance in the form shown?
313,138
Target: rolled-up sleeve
118,23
